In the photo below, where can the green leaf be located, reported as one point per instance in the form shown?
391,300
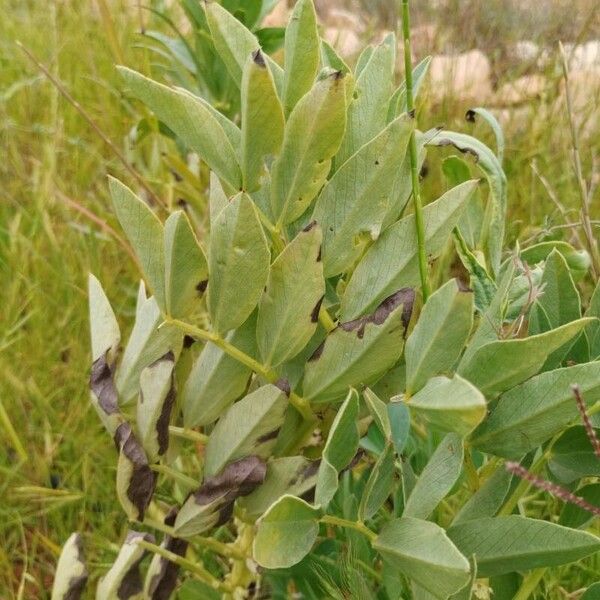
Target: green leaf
578,260
493,232
379,485
488,499
491,120
262,120
146,344
422,551
438,477
194,121
379,412
293,475
502,364
217,197
367,113
439,336
515,543
217,379
286,533
392,263
234,42
573,456
312,136
104,328
398,100
157,396
302,50
145,233
124,578
592,331
71,573
249,428
450,404
339,450
579,518
592,593
360,351
289,307
186,269
353,203
238,264
400,424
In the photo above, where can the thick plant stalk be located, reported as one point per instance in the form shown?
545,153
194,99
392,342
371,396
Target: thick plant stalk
418,207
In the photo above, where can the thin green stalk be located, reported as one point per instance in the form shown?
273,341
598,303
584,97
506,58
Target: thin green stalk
195,569
11,433
414,163
529,584
188,434
325,319
173,474
360,527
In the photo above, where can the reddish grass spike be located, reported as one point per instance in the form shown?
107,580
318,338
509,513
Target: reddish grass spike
589,429
552,488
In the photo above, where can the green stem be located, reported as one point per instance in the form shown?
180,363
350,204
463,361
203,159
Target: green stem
197,570
529,584
360,527
413,154
173,474
188,434
325,319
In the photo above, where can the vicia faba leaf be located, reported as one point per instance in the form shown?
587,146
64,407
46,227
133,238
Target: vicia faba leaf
422,551
249,428
194,121
312,136
238,264
103,395
572,456
71,573
186,269
155,403
592,593
161,576
530,414
216,379
379,485
211,505
353,204
367,112
146,344
217,197
359,351
288,311
515,543
440,334
262,120
286,533
104,328
437,478
145,233
578,518
493,232
398,100
234,43
450,404
379,412
497,366
302,53
392,263
135,480
399,416
471,116
293,475
339,450
578,260
123,580
592,330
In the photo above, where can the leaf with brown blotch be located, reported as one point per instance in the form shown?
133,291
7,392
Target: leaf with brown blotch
104,394
71,572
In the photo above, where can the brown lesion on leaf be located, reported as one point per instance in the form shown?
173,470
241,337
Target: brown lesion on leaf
202,285
310,226
314,315
318,351
131,583
459,147
267,437
143,479
162,424
404,297
103,386
258,58
470,115
77,584
284,385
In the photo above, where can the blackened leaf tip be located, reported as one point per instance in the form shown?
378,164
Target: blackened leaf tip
470,115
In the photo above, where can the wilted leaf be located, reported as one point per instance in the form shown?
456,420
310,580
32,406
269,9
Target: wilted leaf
123,580
186,269
379,485
71,573
359,351
354,202
531,413
392,263
439,336
212,504
104,329
249,428
238,264
288,310
515,543
312,136
422,551
450,404
285,533
438,477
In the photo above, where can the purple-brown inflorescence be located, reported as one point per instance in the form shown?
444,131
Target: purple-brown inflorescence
552,488
589,429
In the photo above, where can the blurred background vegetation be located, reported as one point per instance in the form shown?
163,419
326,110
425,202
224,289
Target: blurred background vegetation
56,225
